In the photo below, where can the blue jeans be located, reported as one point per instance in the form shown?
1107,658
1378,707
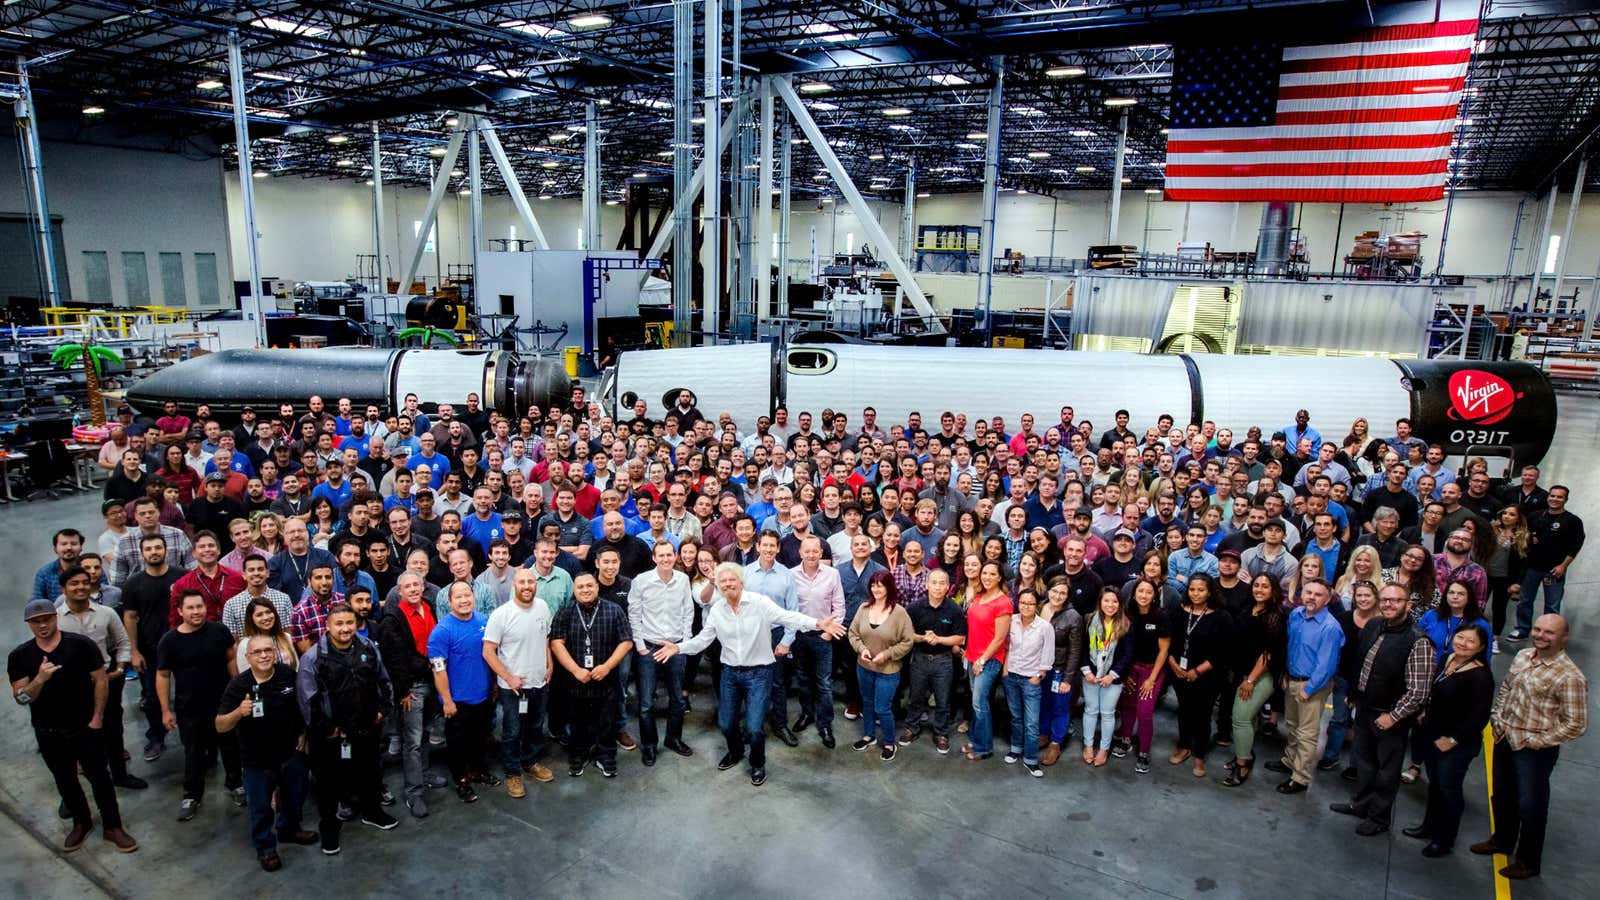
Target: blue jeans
1055,710
1100,713
1554,590
814,663
648,670
749,684
521,733
624,678
289,779
1447,799
877,704
981,734
1340,698
1521,800
1022,697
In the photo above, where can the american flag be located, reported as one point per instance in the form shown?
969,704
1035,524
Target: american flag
1368,120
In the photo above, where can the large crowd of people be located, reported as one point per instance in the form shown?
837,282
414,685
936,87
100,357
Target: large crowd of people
313,594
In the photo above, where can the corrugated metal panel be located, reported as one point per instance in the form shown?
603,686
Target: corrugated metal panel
1236,392
1203,318
735,377
977,381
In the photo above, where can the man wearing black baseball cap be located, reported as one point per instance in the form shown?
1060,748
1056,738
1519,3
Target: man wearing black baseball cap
61,678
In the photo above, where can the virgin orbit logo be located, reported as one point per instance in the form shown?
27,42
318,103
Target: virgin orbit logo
1479,397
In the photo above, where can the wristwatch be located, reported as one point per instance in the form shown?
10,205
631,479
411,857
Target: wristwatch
24,697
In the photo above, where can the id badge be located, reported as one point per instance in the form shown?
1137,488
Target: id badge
344,750
257,711
522,705
588,660
1183,663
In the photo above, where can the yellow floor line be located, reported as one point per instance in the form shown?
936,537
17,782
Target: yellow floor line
1502,884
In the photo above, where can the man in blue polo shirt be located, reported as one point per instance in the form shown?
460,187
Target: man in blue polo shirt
462,678
484,524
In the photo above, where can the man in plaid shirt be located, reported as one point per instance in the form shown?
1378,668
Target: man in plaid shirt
125,559
1543,703
309,620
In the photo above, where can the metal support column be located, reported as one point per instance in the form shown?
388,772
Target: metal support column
441,183
513,184
908,215
247,193
763,206
869,222
1536,255
711,209
697,180
475,202
991,198
1507,295
591,178
682,232
1566,233
786,180
33,161
377,210
1116,181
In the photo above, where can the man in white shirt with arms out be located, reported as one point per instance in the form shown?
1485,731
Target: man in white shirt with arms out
744,623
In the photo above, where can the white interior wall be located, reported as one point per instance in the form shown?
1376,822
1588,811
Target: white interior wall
129,201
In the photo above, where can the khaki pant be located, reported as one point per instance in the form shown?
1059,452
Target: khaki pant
1302,721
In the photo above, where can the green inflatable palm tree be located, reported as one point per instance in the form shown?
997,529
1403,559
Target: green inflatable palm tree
92,355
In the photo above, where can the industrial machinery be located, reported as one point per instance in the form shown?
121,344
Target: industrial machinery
231,380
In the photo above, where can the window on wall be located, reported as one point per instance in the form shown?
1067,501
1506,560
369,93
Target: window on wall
205,279
97,272
173,291
136,279
1552,254
416,230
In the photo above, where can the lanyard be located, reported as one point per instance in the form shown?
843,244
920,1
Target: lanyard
206,589
588,640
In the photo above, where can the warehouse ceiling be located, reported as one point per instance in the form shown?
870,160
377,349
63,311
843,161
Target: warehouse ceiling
108,71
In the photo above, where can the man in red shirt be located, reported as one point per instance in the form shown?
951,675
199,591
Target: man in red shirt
402,638
208,578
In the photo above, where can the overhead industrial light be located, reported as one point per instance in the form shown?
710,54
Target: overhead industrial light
1064,71
823,105
1084,170
1027,111
1127,181
560,137
93,110
898,127
576,128
1166,131
345,163
456,173
258,174
815,87
465,192
923,195
544,196
666,153
210,84
549,164
977,136
1152,190
698,120
874,156
641,175
612,202
948,80
589,20
1038,154
1081,132
797,140
969,147
452,122
337,138
895,112
370,182
1121,101
285,26
435,151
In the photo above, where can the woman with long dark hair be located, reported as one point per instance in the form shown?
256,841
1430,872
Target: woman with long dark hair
1258,658
1416,574
1201,635
1055,702
881,635
1505,565
1152,643
1030,649
177,472
1105,665
1452,731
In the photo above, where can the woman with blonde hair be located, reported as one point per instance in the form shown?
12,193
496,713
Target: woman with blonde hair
1505,565
1310,567
1364,565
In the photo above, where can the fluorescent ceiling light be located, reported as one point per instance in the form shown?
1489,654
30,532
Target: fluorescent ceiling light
1027,111
452,122
210,84
969,146
1081,132
1127,181
544,31
370,182
456,173
826,32
344,163
698,120
655,103
874,156
269,113
337,138
1152,190
258,174
1084,170
1038,154
549,164
559,137
589,20
822,105
544,196
1064,71
1121,101
612,202
285,26
640,175
436,151
900,128
977,136
815,87
797,140
666,153
948,80
278,76
923,196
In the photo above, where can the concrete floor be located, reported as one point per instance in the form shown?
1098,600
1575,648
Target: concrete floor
826,824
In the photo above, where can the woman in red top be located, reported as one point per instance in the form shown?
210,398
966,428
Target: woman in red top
988,627
177,472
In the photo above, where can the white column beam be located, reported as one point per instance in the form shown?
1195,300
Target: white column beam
247,193
377,208
519,200
1116,181
711,209
1565,249
591,178
763,210
441,184
697,182
991,195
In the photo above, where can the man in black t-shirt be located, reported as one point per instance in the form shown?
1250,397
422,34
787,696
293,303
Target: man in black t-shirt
61,678
262,705
940,626
146,600
193,659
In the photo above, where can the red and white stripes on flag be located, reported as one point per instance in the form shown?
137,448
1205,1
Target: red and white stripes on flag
1364,121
